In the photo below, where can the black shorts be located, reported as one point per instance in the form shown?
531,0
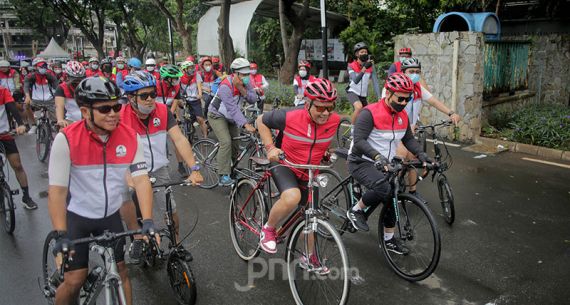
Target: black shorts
10,146
285,179
196,108
353,98
79,227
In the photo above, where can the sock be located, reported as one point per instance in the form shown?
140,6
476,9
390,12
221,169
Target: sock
356,207
25,192
388,236
266,226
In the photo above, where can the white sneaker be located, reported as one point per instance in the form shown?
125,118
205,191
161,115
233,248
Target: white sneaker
33,129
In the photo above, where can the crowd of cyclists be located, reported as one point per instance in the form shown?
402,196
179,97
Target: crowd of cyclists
117,116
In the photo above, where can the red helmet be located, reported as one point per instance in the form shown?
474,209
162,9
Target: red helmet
405,51
321,90
399,82
190,58
85,63
215,59
253,66
304,63
205,59
74,69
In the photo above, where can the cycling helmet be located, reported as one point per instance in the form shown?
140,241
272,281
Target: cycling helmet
74,69
138,80
190,58
399,82
120,59
96,89
321,90
150,62
106,62
4,63
253,66
186,64
85,63
205,59
134,63
170,71
24,64
304,63
405,51
215,60
410,62
38,60
359,46
93,59
240,65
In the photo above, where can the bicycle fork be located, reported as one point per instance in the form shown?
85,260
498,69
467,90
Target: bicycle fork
112,276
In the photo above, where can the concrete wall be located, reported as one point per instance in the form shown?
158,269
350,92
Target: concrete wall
435,51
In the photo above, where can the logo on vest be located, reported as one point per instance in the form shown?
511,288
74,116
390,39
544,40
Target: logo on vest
156,122
400,122
121,151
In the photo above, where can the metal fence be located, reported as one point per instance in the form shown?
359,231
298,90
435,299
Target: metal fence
506,66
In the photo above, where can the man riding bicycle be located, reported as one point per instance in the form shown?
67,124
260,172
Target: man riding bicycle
378,130
191,90
88,165
307,134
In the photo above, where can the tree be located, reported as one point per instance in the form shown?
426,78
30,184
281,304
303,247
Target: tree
225,42
44,22
135,24
297,20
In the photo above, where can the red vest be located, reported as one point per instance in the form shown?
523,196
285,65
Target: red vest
9,74
305,142
123,72
256,80
358,68
227,82
208,77
300,81
187,80
164,93
417,91
398,65
389,128
67,90
91,72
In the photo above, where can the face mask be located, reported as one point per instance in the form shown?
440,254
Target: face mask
107,69
145,109
190,72
42,70
245,80
415,77
94,66
24,72
398,107
120,66
363,57
150,68
302,73
57,71
253,72
208,68
402,58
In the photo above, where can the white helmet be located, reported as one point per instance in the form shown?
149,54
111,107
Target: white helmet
93,59
4,63
240,65
150,61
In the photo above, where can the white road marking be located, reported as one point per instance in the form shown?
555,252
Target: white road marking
446,143
547,162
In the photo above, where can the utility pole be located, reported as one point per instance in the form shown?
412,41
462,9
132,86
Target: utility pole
324,36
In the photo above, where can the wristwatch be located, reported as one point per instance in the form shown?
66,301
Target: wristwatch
195,168
451,113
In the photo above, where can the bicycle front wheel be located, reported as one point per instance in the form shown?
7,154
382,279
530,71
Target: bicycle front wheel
247,216
343,135
42,141
50,268
446,198
181,280
205,152
317,267
335,200
8,212
418,233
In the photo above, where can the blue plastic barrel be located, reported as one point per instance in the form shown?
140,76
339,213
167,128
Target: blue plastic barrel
487,23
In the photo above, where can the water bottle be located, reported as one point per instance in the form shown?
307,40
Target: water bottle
92,278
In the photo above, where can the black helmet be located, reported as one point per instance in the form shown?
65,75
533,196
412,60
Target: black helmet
96,89
359,46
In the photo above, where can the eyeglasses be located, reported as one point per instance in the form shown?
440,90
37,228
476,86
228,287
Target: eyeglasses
107,108
323,108
145,96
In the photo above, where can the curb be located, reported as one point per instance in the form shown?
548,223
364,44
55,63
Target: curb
528,149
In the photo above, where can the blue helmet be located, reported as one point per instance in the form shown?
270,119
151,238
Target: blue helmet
135,63
138,80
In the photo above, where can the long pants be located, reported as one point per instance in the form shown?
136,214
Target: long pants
224,131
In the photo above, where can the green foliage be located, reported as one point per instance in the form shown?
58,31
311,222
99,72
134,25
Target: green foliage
265,43
543,125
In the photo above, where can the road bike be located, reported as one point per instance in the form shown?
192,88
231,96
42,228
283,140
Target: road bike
7,209
44,133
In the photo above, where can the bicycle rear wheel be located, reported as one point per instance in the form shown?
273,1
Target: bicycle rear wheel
50,272
8,209
205,152
317,267
343,136
335,201
42,141
181,280
446,198
247,216
418,231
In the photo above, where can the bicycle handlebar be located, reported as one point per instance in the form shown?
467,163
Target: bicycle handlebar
105,237
443,123
169,184
303,166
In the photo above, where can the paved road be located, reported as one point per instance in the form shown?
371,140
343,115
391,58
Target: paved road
510,244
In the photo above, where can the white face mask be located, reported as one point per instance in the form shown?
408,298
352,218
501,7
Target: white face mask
150,68
42,70
302,73
94,66
208,68
57,71
145,109
120,66
253,72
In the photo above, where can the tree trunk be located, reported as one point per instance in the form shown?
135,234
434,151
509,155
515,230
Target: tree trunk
290,65
225,43
186,37
282,27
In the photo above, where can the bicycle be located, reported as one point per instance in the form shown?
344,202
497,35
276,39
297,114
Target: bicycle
44,133
7,209
445,191
310,265
344,133
415,225
101,276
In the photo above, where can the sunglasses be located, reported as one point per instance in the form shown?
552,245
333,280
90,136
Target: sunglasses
404,99
107,108
323,108
145,96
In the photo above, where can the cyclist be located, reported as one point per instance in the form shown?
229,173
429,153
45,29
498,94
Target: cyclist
378,130
259,83
191,86
120,67
66,108
218,66
360,73
301,80
93,69
7,76
107,70
97,147
225,116
154,122
208,78
150,66
308,133
7,105
397,66
133,64
39,88
58,71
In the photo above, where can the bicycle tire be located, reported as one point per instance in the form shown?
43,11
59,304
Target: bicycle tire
8,209
244,240
411,207
335,202
323,288
50,274
42,142
181,280
205,152
446,199
343,133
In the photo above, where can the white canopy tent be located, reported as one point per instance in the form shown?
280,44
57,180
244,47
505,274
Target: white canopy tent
54,51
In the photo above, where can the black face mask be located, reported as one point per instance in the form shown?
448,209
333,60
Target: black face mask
107,69
398,107
363,57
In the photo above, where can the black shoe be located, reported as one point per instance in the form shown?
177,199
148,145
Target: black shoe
397,246
358,220
29,203
415,193
136,250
